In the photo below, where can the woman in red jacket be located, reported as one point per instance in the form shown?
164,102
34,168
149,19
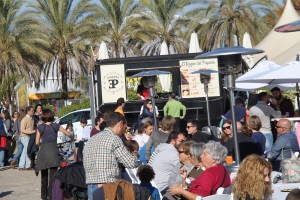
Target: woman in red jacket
215,176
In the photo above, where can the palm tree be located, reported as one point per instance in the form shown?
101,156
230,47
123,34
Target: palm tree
67,24
165,21
227,18
23,47
120,27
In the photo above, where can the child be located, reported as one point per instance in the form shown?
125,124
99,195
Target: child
69,146
86,130
145,173
148,129
138,137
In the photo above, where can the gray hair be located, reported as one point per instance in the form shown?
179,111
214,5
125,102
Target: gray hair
217,152
196,150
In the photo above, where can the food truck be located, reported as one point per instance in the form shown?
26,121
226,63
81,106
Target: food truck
113,80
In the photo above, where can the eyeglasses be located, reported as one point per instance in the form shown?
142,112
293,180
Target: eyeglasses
226,127
179,140
180,152
279,127
189,127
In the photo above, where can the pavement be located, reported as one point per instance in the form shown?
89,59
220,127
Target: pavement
19,184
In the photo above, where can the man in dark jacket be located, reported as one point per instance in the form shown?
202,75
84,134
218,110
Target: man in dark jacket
192,128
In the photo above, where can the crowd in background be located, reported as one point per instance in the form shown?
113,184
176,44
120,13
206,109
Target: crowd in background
163,162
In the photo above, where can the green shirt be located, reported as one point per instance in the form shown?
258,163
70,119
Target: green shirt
173,108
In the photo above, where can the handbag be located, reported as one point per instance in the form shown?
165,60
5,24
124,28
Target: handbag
3,142
290,169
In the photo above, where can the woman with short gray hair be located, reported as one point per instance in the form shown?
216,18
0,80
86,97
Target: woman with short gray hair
217,152
214,177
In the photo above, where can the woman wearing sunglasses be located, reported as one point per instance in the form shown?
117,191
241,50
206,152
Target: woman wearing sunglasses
226,131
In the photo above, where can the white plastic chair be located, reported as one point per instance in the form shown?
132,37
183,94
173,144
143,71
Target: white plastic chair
218,197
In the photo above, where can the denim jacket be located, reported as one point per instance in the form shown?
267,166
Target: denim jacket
284,143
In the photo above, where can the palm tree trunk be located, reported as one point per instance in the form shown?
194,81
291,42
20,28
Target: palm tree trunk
64,80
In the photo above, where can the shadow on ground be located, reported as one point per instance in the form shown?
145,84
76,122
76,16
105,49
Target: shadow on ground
3,194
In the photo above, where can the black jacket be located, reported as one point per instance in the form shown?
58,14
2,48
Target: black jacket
199,137
246,146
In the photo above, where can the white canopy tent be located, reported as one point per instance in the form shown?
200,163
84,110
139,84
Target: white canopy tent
281,47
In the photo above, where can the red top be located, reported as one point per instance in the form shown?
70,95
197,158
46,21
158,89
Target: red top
145,93
210,180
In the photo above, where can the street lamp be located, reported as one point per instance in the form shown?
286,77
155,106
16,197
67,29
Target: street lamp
205,77
149,81
230,62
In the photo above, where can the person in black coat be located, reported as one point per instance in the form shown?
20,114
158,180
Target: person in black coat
192,128
246,144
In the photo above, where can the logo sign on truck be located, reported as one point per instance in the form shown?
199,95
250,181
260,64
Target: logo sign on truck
112,82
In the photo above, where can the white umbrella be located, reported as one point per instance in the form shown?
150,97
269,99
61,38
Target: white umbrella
164,49
247,44
164,78
103,52
194,44
245,82
289,73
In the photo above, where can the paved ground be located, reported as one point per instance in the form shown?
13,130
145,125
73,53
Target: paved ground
16,184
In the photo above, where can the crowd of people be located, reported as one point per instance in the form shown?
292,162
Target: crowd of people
163,163
190,164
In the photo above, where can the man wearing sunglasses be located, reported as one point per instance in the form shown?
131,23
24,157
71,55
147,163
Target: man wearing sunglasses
194,134
286,141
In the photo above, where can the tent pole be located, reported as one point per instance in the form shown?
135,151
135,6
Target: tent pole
297,90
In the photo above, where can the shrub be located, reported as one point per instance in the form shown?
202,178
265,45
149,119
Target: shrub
85,103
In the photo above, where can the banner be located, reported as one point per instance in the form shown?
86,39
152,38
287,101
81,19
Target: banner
191,87
113,82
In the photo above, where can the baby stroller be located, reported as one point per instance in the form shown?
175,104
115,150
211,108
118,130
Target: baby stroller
69,182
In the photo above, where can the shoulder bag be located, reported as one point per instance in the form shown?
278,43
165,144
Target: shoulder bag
290,168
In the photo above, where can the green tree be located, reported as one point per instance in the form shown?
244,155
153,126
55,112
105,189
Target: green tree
120,27
67,24
226,18
23,47
164,20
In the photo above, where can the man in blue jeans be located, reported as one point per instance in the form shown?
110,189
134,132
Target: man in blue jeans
102,153
285,144
27,128
16,130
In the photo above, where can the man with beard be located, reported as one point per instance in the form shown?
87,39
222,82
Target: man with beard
285,105
165,159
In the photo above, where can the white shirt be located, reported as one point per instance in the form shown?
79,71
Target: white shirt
138,139
86,133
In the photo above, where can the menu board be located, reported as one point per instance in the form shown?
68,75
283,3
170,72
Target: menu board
191,87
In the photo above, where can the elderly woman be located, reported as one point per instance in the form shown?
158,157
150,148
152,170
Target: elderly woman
257,172
214,177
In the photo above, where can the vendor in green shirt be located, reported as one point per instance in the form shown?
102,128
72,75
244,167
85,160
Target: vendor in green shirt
173,108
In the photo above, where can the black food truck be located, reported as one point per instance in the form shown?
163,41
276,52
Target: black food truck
114,81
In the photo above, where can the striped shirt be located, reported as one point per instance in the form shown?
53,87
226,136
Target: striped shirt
101,155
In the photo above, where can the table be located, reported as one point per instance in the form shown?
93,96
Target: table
277,194
289,118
